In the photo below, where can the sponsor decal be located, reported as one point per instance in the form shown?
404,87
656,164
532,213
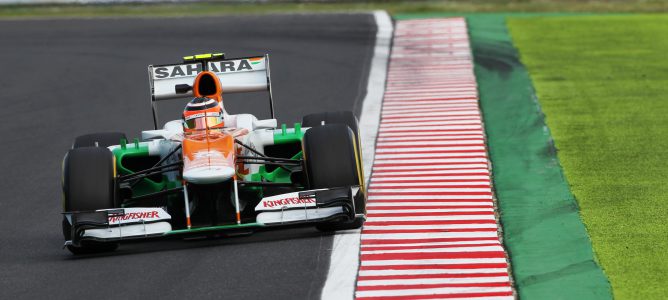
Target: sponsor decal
176,71
227,66
134,216
288,202
223,66
138,214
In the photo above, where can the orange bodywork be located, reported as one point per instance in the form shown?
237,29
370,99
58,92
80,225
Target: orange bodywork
207,149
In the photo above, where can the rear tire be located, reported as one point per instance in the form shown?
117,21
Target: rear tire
332,160
103,139
88,184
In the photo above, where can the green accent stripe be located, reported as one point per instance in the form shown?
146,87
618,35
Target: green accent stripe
213,228
550,251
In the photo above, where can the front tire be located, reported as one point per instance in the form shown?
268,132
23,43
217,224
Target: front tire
100,139
332,160
340,117
335,117
88,184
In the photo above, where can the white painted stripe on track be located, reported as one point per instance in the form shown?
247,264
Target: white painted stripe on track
424,123
443,121
434,83
391,122
429,235
390,272
440,178
444,166
427,96
392,157
482,298
472,149
443,205
434,172
434,161
470,89
444,227
432,291
432,197
439,113
480,217
421,99
418,149
446,127
417,99
420,138
433,262
454,190
389,207
432,281
421,134
421,143
469,298
444,184
417,243
344,261
434,115
396,113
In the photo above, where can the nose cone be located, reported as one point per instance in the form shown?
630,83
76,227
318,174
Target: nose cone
208,175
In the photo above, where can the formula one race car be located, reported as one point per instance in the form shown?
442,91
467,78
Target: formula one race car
212,173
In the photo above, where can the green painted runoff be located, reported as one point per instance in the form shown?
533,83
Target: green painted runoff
551,254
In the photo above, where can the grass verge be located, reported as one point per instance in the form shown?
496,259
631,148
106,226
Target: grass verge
218,8
602,82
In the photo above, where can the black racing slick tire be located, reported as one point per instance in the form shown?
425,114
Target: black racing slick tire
334,117
332,160
103,139
340,117
88,184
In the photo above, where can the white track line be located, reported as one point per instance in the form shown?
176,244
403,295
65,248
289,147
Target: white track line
344,261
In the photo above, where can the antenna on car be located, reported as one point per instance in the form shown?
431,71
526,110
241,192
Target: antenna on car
203,59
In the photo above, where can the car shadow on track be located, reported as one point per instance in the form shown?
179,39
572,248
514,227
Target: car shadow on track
265,236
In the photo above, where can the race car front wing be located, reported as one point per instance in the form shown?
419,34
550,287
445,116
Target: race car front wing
304,207
308,206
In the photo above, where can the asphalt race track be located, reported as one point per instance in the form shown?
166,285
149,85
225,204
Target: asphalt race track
62,78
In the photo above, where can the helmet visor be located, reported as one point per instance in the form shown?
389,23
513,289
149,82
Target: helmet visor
204,122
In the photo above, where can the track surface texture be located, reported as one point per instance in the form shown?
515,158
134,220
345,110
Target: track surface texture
62,78
431,230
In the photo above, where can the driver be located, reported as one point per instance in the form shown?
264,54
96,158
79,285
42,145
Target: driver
203,114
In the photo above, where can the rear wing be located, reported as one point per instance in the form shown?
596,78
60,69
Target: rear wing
237,75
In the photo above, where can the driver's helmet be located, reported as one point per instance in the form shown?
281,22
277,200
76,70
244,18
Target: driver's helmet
201,114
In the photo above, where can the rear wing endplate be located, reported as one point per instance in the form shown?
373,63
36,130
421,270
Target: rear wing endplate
238,75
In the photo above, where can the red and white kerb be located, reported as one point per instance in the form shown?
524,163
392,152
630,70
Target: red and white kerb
431,231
